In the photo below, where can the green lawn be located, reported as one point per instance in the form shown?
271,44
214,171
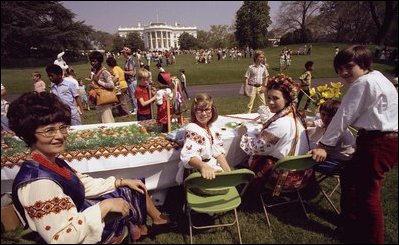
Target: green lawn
217,72
288,223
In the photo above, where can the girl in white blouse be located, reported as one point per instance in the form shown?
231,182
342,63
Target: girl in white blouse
203,147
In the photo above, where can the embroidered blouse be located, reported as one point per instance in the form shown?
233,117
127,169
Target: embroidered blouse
54,215
198,143
276,140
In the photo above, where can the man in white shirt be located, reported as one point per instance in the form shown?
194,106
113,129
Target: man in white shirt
256,77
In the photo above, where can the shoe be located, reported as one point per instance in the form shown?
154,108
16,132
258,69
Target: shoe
163,228
133,112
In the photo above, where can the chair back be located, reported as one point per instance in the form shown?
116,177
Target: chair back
223,180
291,173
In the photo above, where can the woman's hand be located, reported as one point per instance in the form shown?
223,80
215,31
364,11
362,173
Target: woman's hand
134,184
117,205
207,172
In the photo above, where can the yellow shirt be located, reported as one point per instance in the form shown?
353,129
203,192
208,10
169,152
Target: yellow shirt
119,72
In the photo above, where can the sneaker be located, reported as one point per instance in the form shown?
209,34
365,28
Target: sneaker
133,112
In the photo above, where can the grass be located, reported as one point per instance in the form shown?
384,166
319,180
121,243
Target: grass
288,223
18,81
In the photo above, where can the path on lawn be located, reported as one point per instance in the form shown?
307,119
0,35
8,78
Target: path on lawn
226,90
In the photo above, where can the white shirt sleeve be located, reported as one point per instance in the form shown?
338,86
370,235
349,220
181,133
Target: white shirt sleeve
54,215
95,187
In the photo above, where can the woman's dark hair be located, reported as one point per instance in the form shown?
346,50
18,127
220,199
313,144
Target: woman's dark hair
202,101
359,54
111,61
33,110
96,55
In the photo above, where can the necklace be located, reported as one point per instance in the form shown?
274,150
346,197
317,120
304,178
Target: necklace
40,159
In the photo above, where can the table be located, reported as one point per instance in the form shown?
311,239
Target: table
158,163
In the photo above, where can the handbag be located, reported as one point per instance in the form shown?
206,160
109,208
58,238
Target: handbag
104,96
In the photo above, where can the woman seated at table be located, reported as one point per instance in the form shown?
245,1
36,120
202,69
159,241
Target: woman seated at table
203,147
282,135
62,205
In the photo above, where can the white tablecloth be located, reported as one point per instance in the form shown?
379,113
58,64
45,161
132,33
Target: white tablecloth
158,168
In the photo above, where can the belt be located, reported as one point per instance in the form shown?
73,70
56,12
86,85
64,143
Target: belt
255,85
374,133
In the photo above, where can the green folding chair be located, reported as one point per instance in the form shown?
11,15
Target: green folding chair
216,196
293,173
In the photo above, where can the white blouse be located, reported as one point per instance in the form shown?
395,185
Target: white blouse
54,216
276,140
198,143
371,103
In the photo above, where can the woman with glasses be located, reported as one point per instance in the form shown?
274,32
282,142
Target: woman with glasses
203,147
62,205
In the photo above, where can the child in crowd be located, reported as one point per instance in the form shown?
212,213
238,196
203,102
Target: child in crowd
183,81
371,105
306,83
345,147
144,96
162,96
83,94
38,84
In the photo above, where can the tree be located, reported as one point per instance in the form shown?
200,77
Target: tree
385,20
298,15
252,21
134,41
187,41
202,39
44,26
102,40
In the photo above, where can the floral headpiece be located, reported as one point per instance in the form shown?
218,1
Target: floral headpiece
324,92
288,83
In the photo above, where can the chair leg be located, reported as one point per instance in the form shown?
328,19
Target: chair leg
190,225
329,200
238,225
302,204
264,209
336,186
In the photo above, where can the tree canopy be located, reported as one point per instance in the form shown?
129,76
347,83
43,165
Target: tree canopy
43,27
252,21
187,41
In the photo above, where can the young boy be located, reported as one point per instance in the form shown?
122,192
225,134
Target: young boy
143,96
345,146
371,105
306,83
38,84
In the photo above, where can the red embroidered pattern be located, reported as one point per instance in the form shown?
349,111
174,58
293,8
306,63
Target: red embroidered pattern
56,205
63,171
195,137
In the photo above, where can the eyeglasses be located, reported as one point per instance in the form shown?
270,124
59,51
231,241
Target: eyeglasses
206,110
52,131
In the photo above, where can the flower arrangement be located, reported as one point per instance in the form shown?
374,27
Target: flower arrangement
290,84
324,92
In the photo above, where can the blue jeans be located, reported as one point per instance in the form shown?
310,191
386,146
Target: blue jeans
131,89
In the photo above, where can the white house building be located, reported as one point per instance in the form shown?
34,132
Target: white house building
159,36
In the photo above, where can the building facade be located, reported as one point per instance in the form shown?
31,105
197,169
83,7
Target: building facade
159,36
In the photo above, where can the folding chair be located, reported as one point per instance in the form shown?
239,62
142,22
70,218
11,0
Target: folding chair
218,195
326,170
290,175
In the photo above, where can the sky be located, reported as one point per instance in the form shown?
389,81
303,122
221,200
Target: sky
107,16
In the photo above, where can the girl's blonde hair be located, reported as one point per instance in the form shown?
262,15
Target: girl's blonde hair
202,101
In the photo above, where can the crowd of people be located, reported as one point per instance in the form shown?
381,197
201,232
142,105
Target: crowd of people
370,105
